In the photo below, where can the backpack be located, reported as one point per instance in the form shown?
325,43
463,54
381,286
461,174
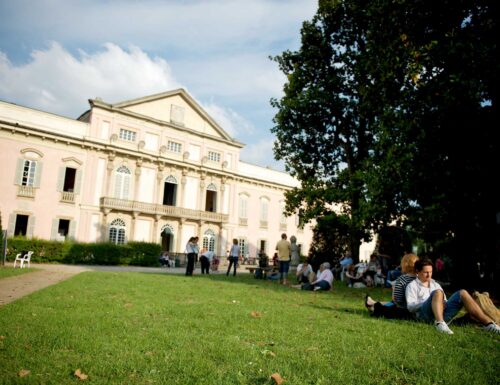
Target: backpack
487,306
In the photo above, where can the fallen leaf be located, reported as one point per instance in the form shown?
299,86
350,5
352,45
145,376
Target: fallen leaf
277,378
266,352
255,314
2,338
80,375
23,372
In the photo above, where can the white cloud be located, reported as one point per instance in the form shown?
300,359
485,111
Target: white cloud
58,82
233,123
261,153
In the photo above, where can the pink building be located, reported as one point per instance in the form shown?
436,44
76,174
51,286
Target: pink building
156,169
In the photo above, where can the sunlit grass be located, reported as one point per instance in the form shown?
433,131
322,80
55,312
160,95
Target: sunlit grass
7,271
131,328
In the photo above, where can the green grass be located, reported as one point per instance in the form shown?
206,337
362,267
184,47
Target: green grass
131,328
6,271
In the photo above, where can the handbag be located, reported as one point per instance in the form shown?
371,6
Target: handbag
487,306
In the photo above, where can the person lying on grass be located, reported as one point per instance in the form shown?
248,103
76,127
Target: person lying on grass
397,307
426,299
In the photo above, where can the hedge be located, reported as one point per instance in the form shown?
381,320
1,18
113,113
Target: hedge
133,253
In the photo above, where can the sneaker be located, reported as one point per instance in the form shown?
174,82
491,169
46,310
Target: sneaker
443,328
317,288
492,328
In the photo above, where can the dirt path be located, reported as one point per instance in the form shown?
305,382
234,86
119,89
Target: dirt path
12,288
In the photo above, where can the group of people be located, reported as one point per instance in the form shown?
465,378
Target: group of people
417,296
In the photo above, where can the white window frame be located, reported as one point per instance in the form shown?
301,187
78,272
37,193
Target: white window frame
128,135
173,146
117,232
214,156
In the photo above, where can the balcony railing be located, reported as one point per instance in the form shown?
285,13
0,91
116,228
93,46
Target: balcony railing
263,224
26,191
243,221
67,197
282,226
156,209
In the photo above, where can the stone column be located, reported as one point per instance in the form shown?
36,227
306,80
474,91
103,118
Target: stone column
104,225
157,218
135,214
109,174
201,199
182,188
138,170
159,185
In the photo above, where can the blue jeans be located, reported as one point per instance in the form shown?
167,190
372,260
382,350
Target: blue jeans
451,308
284,267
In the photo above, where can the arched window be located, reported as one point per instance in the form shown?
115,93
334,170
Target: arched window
117,232
167,238
170,191
211,201
209,240
122,182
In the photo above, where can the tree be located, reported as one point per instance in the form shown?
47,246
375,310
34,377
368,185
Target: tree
390,114
321,127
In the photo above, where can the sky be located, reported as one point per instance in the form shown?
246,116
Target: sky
55,55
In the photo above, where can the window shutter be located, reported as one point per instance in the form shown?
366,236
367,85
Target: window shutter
60,178
72,230
38,174
78,181
12,225
31,227
118,184
53,231
19,172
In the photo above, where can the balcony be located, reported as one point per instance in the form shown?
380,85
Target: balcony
243,221
26,191
263,224
67,197
166,211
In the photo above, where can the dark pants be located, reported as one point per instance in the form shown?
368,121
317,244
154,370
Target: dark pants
205,264
190,264
233,261
391,311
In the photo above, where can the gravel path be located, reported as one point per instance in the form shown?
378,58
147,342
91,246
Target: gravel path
12,288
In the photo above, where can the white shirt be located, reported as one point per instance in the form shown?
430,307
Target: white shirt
417,293
209,255
306,272
325,275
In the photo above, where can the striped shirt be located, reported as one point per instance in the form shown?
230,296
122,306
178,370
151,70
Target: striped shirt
399,290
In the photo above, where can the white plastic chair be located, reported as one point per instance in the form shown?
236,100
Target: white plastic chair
23,259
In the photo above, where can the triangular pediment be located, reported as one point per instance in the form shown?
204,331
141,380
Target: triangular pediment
177,108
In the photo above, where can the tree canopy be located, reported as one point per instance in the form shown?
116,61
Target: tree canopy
390,114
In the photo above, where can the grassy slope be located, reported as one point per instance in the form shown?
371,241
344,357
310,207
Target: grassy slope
130,328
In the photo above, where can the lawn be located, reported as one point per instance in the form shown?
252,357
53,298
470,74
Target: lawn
132,328
7,271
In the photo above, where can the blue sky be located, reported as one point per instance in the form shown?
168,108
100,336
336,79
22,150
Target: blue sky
57,54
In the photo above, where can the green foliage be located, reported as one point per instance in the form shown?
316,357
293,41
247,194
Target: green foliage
133,328
390,114
133,253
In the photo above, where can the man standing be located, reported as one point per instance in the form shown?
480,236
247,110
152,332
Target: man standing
192,253
284,249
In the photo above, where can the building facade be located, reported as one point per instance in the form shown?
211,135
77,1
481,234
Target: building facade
155,169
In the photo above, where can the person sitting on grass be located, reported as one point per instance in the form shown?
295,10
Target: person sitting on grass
324,281
397,307
304,272
426,299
